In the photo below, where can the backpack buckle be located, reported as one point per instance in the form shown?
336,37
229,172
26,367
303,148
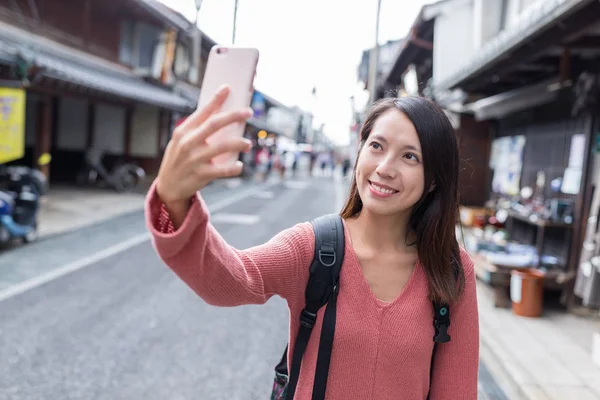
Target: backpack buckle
441,333
328,255
308,319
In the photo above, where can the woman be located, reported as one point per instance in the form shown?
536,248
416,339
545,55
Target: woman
401,253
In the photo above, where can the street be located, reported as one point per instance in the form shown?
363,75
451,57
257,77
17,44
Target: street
123,326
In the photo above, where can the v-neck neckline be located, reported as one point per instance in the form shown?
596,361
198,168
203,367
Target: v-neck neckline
356,261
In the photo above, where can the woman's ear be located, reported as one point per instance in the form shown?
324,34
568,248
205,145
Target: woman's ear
432,187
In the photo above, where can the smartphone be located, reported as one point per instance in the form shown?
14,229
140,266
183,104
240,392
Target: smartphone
235,67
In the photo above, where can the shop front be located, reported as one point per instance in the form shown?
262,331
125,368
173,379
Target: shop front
537,170
536,100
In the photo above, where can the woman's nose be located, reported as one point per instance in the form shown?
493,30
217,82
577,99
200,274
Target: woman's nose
386,169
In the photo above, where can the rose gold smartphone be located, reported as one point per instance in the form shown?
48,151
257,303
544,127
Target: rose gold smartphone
235,67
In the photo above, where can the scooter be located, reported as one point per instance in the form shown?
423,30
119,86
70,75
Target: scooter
21,189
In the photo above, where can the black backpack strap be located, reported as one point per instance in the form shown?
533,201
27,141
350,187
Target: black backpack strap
332,232
441,322
322,288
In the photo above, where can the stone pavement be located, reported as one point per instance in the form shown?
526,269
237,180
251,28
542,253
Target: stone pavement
546,358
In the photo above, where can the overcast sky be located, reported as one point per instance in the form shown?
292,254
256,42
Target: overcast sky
307,43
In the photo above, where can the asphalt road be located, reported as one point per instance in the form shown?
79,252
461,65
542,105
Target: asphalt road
124,327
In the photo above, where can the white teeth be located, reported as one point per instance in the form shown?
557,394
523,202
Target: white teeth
382,190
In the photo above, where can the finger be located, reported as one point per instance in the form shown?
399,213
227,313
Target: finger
224,170
203,113
220,120
234,145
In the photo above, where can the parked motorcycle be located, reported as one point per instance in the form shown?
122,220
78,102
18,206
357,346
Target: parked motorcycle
122,177
21,189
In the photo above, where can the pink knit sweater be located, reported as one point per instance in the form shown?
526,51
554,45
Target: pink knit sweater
381,351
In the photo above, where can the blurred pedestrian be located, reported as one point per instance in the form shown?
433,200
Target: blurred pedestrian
313,160
295,163
262,161
346,166
282,164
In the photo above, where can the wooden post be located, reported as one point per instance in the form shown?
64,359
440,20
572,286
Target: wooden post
55,121
44,133
128,128
581,211
565,66
91,117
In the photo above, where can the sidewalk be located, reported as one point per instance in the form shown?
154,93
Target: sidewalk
68,208
547,358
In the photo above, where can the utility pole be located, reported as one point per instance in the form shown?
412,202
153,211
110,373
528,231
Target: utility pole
197,49
235,7
374,58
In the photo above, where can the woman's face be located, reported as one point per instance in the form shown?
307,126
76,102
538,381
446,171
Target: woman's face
389,173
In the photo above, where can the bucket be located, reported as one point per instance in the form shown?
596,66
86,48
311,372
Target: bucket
527,292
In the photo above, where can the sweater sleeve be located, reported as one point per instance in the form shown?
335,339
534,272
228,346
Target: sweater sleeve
221,274
456,364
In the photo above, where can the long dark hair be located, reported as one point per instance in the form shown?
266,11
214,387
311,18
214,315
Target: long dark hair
435,215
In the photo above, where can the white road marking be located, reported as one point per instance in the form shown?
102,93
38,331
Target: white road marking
264,195
72,267
108,252
296,184
229,218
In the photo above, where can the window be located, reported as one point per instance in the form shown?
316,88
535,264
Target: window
148,37
138,44
126,45
182,61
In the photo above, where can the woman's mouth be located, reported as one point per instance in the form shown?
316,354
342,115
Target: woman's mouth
382,191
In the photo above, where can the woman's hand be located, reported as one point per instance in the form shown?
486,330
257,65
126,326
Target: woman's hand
186,166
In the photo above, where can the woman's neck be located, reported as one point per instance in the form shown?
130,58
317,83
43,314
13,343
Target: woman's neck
384,232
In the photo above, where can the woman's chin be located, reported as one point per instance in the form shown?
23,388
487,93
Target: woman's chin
375,208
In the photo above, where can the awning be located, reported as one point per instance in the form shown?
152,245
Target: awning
506,103
543,15
64,64
123,86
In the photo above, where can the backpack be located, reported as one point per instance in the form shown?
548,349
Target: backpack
322,289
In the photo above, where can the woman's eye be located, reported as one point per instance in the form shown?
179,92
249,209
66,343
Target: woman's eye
375,145
412,157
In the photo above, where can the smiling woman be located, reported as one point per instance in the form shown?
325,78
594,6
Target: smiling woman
400,255
407,145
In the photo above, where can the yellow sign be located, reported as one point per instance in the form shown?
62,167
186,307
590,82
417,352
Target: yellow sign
12,124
